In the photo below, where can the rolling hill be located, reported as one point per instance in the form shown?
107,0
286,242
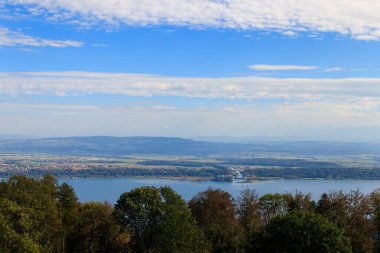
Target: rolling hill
120,146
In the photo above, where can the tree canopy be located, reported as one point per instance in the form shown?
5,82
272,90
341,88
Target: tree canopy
40,215
159,221
298,232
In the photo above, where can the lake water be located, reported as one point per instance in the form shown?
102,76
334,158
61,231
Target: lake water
109,189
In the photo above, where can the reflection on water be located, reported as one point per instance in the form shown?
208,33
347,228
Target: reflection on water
109,189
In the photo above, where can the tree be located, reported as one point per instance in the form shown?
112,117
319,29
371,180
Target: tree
38,199
16,229
248,210
159,221
375,203
301,202
351,212
68,205
299,232
214,210
97,230
50,184
272,205
360,228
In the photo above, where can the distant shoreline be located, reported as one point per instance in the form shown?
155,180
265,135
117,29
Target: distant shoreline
195,179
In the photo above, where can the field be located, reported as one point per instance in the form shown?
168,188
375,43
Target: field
213,167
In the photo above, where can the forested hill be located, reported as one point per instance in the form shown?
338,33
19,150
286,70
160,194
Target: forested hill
118,146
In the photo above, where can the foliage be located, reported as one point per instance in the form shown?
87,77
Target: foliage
97,231
41,216
248,210
272,205
16,228
299,232
351,212
215,212
332,172
159,221
124,172
38,215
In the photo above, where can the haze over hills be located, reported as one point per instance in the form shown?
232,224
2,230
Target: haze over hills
120,146
369,135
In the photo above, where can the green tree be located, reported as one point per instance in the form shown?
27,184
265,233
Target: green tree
38,199
299,232
50,184
272,205
159,221
16,229
68,205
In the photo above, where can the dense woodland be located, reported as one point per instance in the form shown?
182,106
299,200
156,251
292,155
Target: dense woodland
38,215
206,173
122,172
326,173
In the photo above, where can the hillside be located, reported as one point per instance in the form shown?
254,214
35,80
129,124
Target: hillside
120,146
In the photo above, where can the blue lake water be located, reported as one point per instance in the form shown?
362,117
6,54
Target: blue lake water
109,189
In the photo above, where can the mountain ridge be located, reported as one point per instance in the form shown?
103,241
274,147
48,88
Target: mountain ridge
121,146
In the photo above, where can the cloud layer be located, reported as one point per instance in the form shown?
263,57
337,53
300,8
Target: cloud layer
357,19
81,83
13,38
308,119
295,104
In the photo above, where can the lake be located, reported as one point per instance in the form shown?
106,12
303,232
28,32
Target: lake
109,189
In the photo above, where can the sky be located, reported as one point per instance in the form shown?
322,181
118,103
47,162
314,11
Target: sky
294,69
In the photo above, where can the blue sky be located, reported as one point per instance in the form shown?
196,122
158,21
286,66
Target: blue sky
190,68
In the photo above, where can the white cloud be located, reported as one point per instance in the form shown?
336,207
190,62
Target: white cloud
48,107
291,34
357,19
80,83
175,121
14,38
281,67
295,104
333,69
